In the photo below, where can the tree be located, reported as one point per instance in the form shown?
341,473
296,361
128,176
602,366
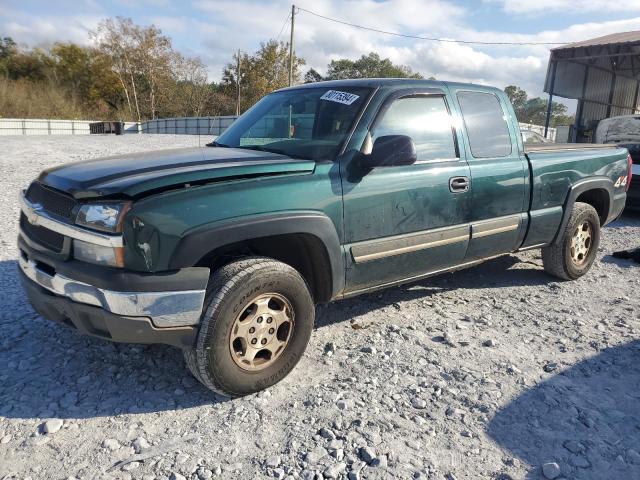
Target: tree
155,58
115,39
368,66
132,73
7,47
518,98
152,75
312,76
534,110
261,73
191,93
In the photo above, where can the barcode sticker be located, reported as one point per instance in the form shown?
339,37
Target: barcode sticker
340,97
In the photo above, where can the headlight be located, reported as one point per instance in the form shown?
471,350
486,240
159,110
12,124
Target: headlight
106,217
102,216
97,254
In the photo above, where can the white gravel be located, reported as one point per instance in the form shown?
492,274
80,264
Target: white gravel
444,379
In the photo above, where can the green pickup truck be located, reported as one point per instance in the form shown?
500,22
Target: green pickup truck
317,193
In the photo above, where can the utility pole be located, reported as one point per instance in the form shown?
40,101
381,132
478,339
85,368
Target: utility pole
293,16
238,84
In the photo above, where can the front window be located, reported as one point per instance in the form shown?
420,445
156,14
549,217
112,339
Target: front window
309,123
424,118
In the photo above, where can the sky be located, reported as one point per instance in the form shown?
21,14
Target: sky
214,29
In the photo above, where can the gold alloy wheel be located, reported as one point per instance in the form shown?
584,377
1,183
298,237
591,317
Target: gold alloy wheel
581,243
261,331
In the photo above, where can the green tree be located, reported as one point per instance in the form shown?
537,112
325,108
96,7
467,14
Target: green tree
7,47
518,98
534,110
312,76
132,73
261,73
368,66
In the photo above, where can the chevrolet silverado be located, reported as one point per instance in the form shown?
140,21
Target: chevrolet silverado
318,192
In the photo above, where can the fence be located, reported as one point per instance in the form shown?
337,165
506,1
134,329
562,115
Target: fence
188,125
176,126
539,129
19,126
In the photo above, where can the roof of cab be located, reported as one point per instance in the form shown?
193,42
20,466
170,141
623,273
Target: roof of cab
383,82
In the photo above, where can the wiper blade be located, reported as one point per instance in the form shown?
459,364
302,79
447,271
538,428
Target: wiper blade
216,144
260,148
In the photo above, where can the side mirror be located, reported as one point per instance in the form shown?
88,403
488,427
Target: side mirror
391,151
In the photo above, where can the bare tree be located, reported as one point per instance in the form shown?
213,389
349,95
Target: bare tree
114,38
192,91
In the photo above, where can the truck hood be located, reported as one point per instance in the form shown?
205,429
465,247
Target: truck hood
134,174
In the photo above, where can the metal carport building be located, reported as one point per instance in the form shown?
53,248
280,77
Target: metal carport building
602,74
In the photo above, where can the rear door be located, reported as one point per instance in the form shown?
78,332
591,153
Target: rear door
403,221
499,173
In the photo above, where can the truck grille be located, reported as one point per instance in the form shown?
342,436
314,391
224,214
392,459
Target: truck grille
48,238
53,201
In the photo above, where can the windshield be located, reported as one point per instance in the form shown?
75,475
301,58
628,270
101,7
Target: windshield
309,123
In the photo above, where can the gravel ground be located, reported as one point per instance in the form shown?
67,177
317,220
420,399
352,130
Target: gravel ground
495,372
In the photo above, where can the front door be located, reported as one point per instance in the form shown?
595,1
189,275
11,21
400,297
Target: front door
404,221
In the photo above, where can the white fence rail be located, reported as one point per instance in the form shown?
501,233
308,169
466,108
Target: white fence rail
539,129
32,126
188,125
176,126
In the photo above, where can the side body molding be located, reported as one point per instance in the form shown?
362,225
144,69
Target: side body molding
578,188
202,241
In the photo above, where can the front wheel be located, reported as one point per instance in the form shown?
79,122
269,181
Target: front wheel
257,321
574,253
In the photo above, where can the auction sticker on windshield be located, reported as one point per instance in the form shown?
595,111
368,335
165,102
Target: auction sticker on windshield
340,97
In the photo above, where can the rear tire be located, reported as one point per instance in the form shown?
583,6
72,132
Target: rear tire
575,251
257,321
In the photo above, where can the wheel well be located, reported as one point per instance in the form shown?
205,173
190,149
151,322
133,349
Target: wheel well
304,252
598,199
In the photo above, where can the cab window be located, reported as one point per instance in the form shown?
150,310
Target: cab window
426,120
486,124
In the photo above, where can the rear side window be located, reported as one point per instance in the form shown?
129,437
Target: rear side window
426,120
486,125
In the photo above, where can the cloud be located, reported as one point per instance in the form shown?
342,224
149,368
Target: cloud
45,30
215,29
546,6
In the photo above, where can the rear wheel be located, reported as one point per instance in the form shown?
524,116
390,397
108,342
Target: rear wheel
574,253
257,321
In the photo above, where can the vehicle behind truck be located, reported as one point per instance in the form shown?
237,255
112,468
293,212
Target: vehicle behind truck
317,193
624,131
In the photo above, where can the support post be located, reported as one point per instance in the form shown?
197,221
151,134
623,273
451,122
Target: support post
612,90
580,109
293,16
238,85
549,105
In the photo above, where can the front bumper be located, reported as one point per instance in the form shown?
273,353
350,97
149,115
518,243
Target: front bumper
115,304
98,322
165,308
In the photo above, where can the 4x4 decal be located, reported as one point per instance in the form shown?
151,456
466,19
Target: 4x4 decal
621,182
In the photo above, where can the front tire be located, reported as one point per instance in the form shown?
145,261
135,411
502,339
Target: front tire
574,253
256,324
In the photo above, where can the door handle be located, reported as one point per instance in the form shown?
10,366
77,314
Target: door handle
459,184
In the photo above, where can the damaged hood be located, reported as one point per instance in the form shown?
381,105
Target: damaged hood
134,174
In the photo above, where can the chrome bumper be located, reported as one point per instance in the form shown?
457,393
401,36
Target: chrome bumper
165,309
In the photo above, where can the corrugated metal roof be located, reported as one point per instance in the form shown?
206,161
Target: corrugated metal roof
622,37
